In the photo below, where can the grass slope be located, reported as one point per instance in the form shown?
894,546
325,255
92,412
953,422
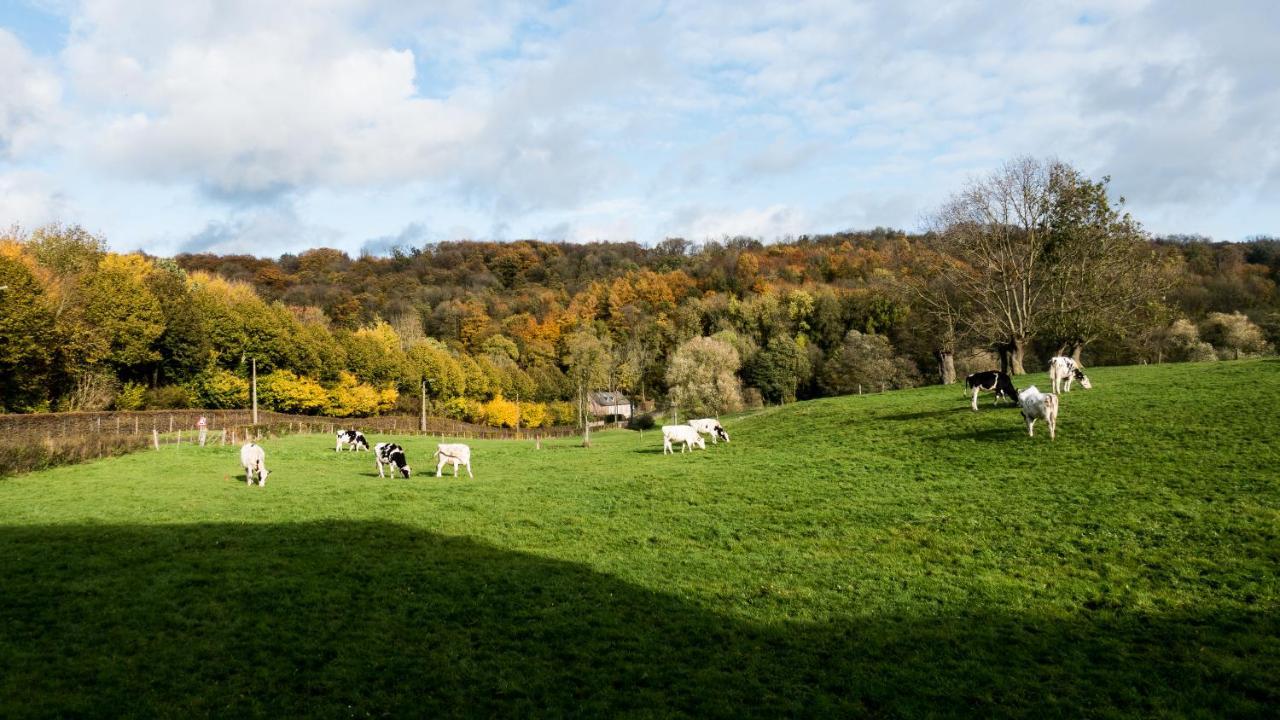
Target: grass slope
891,555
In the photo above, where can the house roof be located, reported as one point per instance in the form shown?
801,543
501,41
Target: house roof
609,398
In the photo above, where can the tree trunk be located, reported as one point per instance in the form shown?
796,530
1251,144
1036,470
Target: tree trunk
1076,351
1011,356
946,366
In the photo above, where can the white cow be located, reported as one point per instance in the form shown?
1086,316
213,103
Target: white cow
253,458
684,434
712,427
1062,368
455,453
1039,406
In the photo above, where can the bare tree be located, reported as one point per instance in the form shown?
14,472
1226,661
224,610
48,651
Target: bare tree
998,228
1040,250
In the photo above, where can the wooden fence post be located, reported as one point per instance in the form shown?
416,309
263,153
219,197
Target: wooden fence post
155,438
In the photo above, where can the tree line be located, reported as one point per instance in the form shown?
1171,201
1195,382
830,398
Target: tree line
1032,260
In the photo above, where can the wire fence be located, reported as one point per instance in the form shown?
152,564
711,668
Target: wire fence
37,441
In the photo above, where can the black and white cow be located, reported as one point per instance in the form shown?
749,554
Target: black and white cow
352,439
1063,368
392,455
712,427
989,381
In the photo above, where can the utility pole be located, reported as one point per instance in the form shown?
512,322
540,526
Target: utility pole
254,386
422,422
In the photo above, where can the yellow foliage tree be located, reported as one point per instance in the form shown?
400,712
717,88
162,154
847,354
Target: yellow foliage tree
288,392
500,412
533,414
350,397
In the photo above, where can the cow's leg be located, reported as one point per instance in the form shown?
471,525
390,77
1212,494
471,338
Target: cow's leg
975,399
440,466
248,476
1070,379
469,473
455,467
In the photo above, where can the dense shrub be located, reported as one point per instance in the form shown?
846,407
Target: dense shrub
220,389
24,454
287,392
867,362
643,421
1233,335
131,397
168,397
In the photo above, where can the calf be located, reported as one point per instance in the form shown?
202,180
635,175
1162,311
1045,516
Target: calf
455,453
1039,406
683,434
712,427
991,380
1062,368
253,458
391,455
353,439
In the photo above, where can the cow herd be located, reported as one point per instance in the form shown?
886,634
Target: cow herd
1035,405
389,457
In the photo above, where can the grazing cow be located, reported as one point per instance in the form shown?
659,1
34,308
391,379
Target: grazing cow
1062,368
991,380
683,434
253,458
455,453
712,427
353,439
391,455
1039,406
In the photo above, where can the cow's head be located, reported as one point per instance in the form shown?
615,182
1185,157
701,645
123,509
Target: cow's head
720,432
701,443
1084,379
404,470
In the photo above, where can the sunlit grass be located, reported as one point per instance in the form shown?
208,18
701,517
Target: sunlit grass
886,554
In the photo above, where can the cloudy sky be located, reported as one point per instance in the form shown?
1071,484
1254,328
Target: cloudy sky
270,127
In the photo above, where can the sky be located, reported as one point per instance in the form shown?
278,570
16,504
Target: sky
242,126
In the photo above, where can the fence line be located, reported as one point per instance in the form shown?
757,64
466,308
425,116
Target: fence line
167,422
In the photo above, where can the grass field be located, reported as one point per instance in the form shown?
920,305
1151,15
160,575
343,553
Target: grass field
887,555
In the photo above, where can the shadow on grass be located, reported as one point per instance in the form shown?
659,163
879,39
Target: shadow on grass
370,618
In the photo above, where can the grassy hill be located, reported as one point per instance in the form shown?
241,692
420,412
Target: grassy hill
893,555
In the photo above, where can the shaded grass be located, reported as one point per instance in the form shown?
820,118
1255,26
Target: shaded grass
892,555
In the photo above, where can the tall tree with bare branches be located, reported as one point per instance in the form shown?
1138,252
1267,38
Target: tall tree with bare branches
1040,250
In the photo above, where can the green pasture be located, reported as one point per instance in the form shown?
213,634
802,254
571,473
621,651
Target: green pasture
884,555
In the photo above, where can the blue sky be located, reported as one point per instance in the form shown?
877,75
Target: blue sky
242,126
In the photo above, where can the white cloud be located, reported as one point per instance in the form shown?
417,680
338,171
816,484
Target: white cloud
636,120
31,199
30,93
260,231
